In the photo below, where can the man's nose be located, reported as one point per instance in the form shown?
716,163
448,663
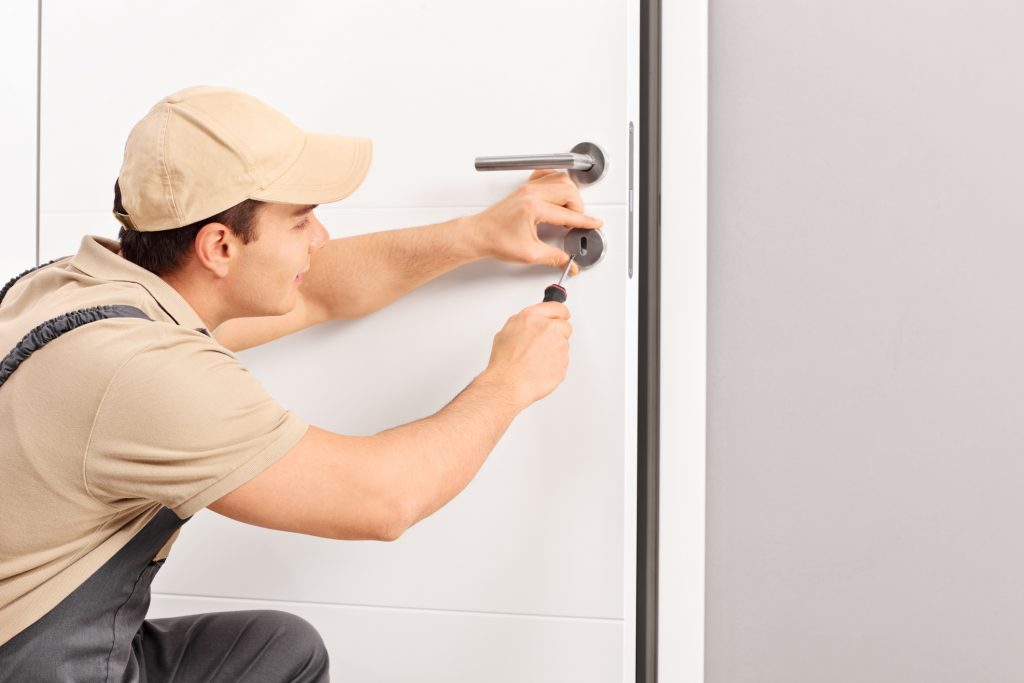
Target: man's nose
320,236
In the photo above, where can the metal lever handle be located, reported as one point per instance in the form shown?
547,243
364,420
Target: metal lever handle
585,163
527,162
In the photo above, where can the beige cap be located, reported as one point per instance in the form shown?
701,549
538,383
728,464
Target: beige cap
204,149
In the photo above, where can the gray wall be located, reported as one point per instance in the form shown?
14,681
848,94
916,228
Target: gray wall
866,376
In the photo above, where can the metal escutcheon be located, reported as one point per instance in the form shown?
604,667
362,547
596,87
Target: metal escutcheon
588,245
595,172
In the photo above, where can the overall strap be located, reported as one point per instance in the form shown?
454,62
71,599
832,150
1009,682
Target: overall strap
46,332
10,283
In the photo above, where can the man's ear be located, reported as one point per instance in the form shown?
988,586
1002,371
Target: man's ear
216,247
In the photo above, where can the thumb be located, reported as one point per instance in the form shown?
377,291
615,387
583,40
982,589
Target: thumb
556,258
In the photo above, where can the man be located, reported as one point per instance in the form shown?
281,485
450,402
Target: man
122,416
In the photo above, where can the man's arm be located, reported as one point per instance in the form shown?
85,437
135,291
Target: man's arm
376,487
355,276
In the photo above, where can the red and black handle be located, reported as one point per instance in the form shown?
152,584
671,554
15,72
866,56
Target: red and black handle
555,293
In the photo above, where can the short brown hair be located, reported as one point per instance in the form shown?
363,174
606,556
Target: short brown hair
164,251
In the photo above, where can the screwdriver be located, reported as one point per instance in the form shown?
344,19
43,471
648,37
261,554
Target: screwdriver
557,292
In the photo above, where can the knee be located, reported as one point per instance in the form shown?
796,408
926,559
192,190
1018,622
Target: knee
299,640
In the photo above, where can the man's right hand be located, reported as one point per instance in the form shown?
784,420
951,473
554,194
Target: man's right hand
531,352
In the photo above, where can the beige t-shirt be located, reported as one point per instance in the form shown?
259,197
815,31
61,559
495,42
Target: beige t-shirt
110,422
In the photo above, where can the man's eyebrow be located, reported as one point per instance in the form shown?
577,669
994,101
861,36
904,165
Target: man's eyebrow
304,209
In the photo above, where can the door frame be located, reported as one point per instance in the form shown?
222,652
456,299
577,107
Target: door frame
648,344
672,386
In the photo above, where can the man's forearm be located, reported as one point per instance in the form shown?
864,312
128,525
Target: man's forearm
355,276
428,462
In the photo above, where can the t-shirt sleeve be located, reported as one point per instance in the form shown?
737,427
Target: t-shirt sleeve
183,423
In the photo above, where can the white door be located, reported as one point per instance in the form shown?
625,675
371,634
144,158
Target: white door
18,55
529,574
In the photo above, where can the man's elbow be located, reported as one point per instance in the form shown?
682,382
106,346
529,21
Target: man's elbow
393,520
389,533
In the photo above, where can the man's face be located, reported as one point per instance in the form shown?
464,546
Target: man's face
269,271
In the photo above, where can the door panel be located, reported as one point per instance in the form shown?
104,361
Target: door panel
547,526
434,84
442,647
18,54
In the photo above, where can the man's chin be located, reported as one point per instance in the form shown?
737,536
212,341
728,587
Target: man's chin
285,310
273,311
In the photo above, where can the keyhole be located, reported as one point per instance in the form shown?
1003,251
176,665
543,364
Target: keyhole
583,246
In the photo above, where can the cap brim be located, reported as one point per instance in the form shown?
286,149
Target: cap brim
329,168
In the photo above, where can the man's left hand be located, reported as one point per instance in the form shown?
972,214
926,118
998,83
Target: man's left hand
507,231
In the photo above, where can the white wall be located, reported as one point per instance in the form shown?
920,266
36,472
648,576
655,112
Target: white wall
866,330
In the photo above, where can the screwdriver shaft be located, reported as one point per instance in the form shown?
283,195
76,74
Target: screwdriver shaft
566,269
557,292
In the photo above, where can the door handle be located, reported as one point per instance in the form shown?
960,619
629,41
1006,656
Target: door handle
586,163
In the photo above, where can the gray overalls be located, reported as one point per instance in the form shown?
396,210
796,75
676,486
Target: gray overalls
99,632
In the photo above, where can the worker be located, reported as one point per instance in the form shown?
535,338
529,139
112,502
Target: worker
124,410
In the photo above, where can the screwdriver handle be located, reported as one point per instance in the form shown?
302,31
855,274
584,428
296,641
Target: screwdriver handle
555,293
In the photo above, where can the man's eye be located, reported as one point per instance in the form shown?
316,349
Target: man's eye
303,224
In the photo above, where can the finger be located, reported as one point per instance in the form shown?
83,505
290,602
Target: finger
541,173
575,270
546,255
552,309
558,190
565,327
560,215
557,176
